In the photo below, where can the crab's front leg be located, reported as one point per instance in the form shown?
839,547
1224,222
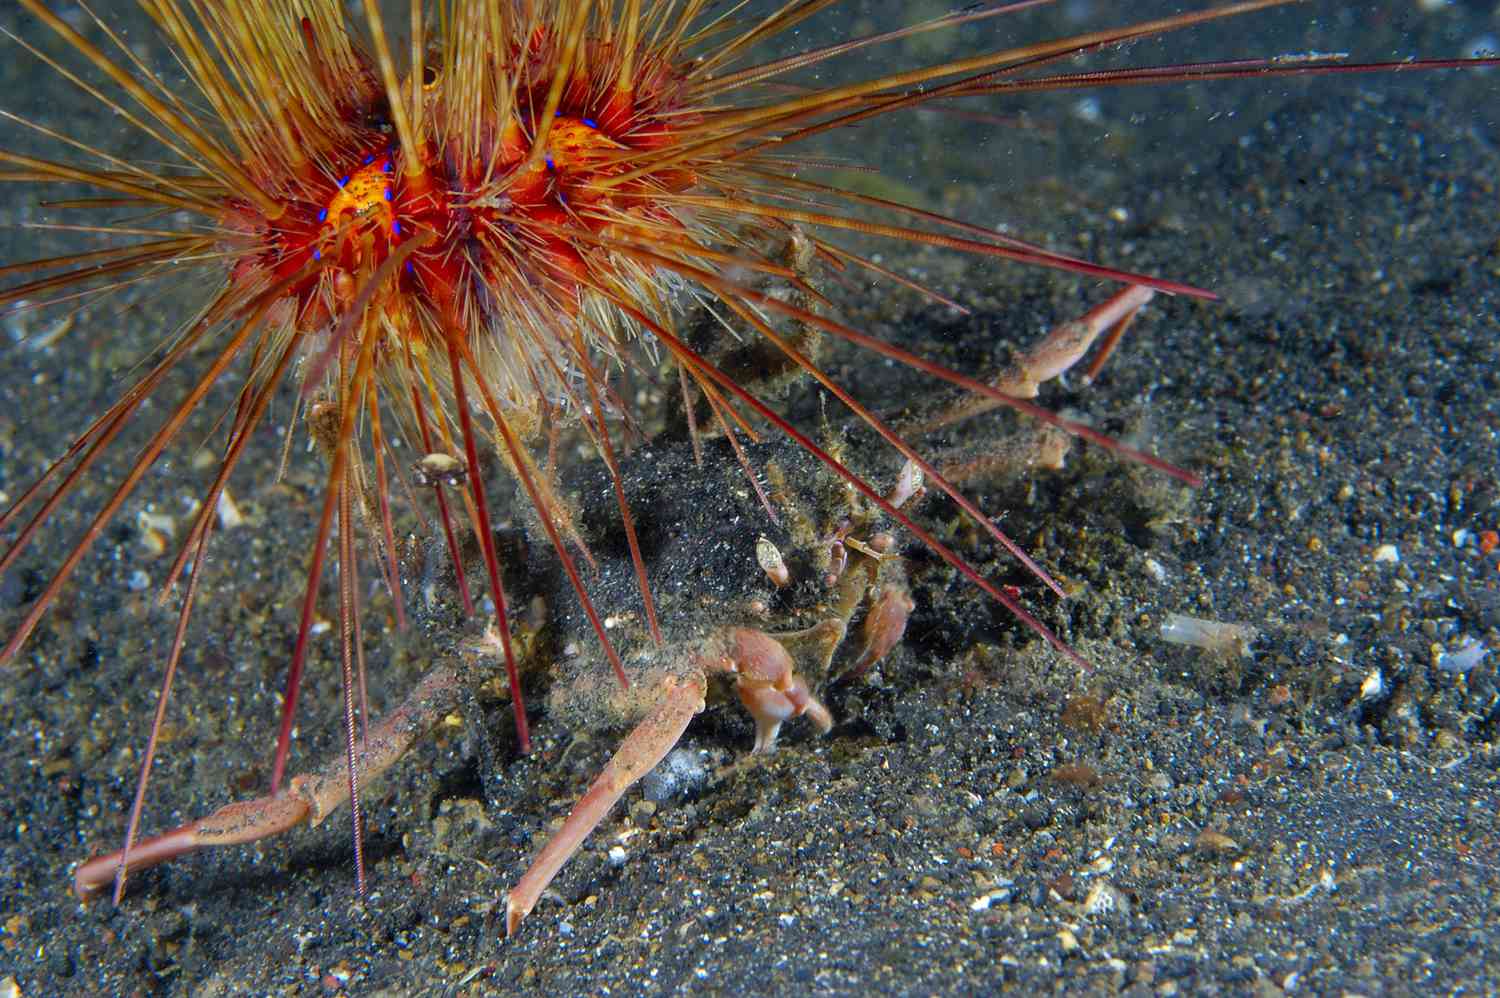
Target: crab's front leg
767,685
645,746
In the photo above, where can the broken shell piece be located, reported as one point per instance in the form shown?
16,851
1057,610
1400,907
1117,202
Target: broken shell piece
1469,653
1210,841
1211,635
908,484
156,529
154,542
440,469
229,511
1157,571
769,557
1106,899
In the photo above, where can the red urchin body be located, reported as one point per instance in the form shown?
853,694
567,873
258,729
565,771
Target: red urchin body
504,210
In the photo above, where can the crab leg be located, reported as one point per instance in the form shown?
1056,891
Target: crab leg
308,797
1058,351
764,676
641,750
770,690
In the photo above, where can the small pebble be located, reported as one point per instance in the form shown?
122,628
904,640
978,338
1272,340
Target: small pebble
681,772
1106,899
1210,841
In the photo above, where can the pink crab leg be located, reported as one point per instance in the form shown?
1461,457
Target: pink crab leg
1058,351
1063,347
641,750
308,797
770,690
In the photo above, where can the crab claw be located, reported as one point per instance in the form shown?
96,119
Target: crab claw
769,687
885,625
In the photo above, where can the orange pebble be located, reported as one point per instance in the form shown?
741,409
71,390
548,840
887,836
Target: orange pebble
1488,541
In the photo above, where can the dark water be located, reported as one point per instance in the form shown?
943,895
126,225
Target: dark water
1340,404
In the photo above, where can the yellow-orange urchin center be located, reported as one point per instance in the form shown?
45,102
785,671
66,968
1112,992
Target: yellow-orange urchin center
364,195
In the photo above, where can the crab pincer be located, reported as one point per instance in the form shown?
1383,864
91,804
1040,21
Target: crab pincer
768,686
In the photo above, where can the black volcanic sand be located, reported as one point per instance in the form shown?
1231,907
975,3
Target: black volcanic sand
1316,815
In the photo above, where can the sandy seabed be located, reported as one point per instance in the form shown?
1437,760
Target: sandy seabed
1315,815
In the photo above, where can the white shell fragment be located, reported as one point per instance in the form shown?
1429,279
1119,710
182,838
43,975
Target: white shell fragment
440,469
1210,635
769,557
908,484
999,895
1106,899
156,529
1386,553
1470,652
230,515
